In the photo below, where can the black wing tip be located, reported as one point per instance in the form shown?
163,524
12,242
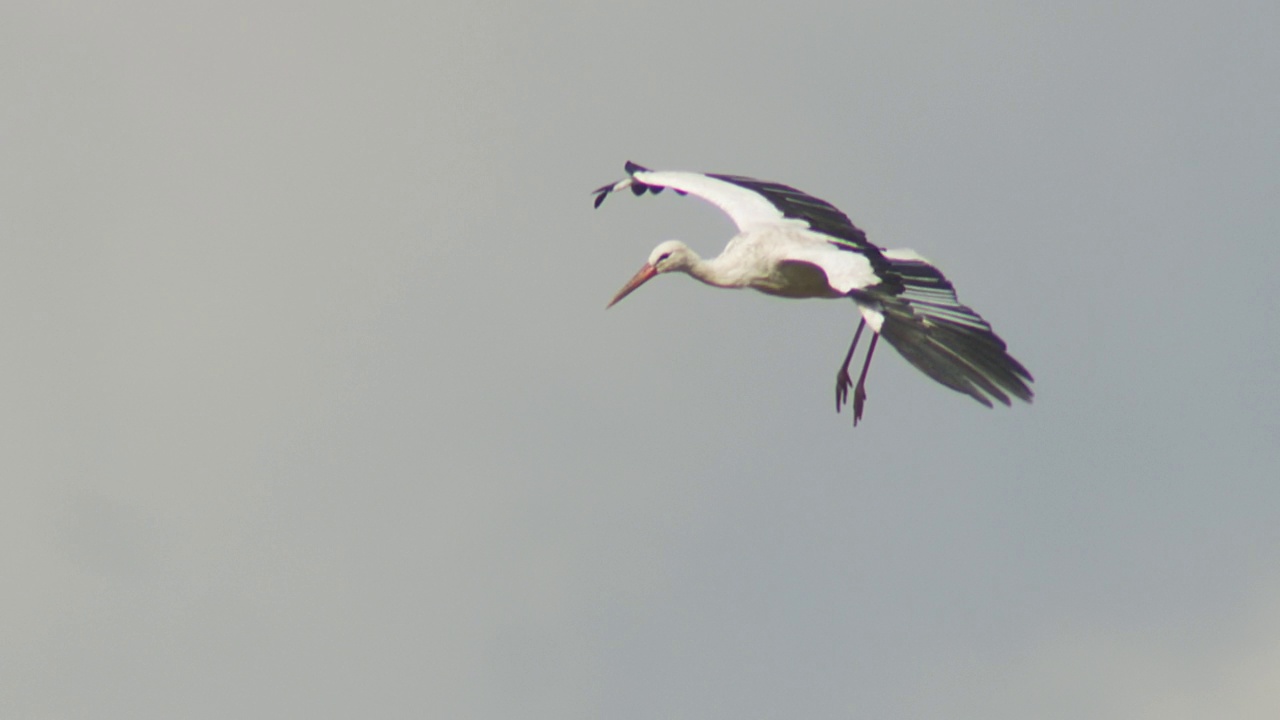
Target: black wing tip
637,187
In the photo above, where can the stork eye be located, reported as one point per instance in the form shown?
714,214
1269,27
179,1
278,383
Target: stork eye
662,257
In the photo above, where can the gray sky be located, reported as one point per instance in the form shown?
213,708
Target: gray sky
311,407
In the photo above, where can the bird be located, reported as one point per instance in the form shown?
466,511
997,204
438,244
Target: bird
793,245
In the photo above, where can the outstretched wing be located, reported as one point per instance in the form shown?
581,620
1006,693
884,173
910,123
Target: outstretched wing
749,203
945,339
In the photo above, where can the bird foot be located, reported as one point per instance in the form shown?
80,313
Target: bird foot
859,399
843,383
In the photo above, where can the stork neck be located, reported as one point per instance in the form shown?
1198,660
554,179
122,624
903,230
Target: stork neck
715,272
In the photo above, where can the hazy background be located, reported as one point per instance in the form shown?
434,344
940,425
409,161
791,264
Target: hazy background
311,407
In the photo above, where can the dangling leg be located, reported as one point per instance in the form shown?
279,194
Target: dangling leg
843,381
860,392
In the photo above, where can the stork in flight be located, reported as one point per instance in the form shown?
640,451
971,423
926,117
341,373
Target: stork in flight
794,245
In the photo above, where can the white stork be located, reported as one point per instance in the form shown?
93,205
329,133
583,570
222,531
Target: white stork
794,245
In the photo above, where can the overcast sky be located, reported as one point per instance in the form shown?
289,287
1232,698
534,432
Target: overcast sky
311,408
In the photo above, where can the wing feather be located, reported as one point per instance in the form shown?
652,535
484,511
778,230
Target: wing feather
945,339
747,209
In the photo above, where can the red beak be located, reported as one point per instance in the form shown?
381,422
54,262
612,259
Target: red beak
639,279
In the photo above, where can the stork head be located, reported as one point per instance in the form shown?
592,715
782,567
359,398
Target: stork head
670,256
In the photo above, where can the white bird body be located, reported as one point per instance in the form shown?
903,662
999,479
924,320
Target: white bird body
784,261
794,245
